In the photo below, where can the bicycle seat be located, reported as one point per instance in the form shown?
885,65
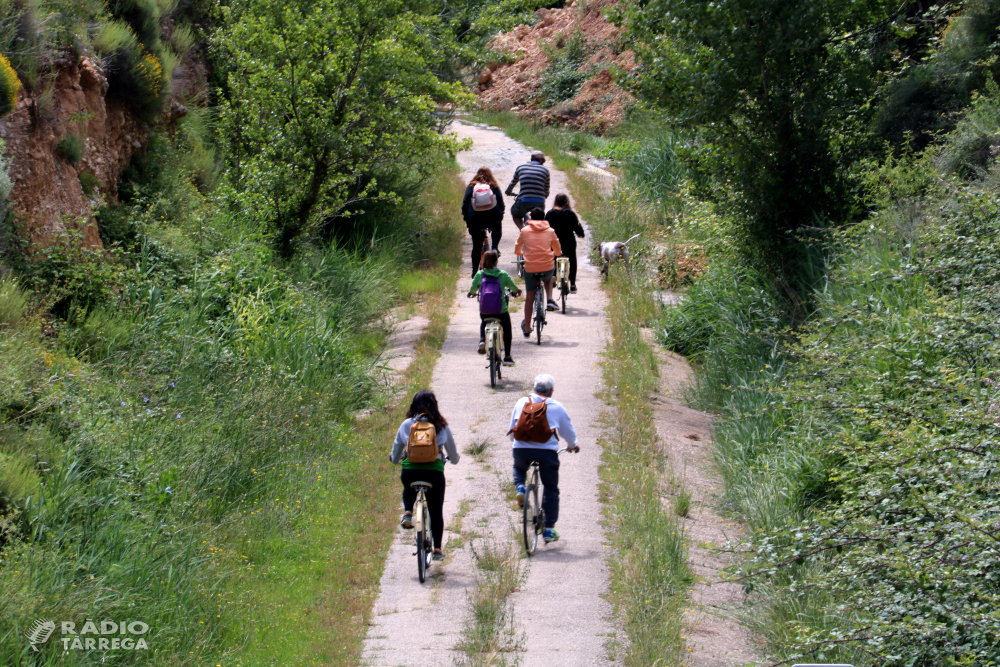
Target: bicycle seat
417,485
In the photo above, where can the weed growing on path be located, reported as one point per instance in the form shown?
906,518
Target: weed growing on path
490,636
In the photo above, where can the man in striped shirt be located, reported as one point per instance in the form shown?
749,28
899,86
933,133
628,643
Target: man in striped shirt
534,179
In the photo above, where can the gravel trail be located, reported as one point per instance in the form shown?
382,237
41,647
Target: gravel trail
560,612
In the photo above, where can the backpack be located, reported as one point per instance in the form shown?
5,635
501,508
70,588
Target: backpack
533,424
490,296
483,198
422,445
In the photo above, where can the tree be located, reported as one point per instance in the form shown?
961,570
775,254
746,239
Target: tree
775,93
321,95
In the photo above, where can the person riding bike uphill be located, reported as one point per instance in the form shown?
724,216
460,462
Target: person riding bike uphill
492,281
534,179
424,409
482,210
546,453
540,247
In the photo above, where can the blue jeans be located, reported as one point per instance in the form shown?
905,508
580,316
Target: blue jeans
548,470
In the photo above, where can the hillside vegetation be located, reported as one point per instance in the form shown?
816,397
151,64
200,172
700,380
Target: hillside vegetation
836,160
193,412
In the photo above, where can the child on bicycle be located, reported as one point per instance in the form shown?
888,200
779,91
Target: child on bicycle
565,223
491,284
424,408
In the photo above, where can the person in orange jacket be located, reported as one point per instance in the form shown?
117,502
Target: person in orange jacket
540,247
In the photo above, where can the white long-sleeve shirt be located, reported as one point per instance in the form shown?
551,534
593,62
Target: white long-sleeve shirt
558,419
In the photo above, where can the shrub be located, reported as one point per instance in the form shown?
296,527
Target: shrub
148,73
89,183
9,85
562,79
71,148
115,37
13,302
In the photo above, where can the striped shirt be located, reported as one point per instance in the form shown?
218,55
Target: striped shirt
534,178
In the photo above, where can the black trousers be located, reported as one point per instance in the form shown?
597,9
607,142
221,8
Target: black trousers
478,233
434,495
548,470
569,250
504,323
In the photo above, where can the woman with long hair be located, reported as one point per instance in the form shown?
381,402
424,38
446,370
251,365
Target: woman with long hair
565,223
483,210
424,408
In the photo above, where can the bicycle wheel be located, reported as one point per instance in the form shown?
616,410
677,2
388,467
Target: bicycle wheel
530,519
539,313
428,538
421,555
564,289
493,366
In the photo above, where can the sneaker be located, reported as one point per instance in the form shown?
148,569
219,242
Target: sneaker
526,332
552,305
572,289
437,555
482,347
550,535
508,361
406,521
520,495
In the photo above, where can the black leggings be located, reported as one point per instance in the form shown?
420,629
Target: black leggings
435,497
478,236
504,323
569,250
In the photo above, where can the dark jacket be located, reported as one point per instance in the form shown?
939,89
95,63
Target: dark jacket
482,218
565,224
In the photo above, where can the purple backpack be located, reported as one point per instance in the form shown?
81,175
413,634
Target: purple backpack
490,296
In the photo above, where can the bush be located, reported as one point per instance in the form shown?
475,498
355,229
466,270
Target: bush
71,148
562,79
89,183
10,84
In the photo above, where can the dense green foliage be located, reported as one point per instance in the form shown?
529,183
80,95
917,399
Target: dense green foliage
324,98
861,447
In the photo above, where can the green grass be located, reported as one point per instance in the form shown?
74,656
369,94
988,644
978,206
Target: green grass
185,448
490,637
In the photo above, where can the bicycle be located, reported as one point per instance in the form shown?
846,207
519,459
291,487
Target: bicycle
532,514
562,275
422,529
494,349
540,307
519,262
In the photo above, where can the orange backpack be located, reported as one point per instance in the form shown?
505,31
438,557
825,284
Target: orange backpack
422,445
533,423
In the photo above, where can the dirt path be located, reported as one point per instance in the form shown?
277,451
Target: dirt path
713,638
561,615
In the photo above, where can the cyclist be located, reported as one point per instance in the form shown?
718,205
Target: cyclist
534,178
567,227
540,247
490,270
424,407
479,215
546,453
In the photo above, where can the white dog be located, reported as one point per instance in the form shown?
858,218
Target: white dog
612,251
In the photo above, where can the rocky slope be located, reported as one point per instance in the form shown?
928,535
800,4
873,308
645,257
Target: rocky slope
57,190
600,103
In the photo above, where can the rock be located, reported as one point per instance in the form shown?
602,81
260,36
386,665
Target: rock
493,66
136,145
177,110
522,77
543,13
506,104
485,77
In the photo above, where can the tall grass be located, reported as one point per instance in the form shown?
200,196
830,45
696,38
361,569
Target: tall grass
187,451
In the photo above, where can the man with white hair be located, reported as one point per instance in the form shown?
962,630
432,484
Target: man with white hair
543,449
